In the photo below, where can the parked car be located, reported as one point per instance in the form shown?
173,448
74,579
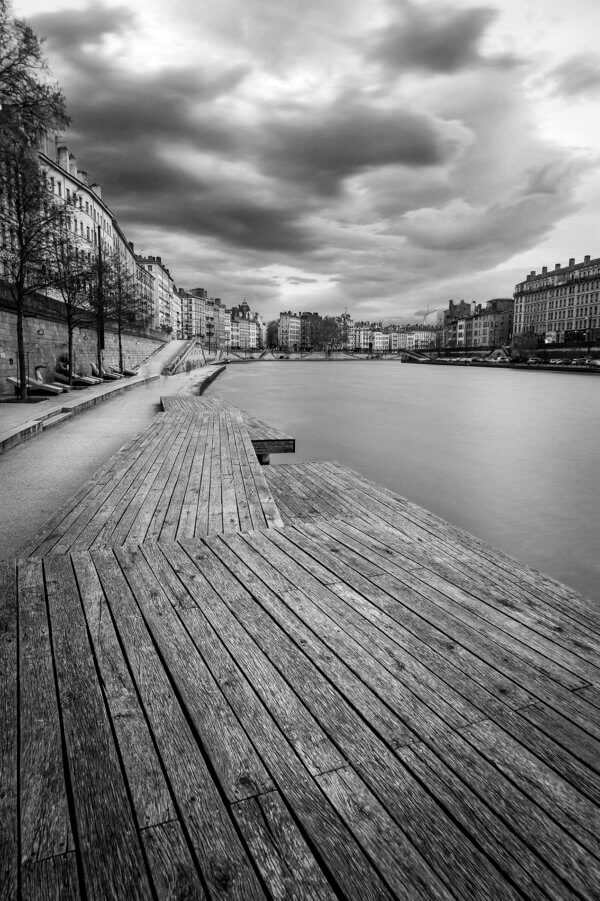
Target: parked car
534,361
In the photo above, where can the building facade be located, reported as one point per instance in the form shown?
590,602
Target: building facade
164,308
561,305
289,331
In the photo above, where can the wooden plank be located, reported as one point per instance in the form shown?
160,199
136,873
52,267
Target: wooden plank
418,698
534,776
44,809
573,864
52,879
525,674
517,635
223,863
575,739
285,861
156,481
189,514
244,672
249,460
542,745
231,521
471,676
338,851
590,693
399,863
115,477
149,791
457,860
507,653
507,847
174,512
215,500
201,523
170,500
239,769
484,580
107,840
171,864
237,477
535,581
9,817
114,515
251,476
320,679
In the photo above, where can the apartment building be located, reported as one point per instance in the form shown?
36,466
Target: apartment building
164,306
91,220
289,331
560,305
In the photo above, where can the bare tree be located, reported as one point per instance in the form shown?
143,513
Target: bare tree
28,101
72,274
29,213
30,217
124,303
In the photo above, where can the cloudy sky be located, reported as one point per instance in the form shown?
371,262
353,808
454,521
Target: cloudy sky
377,155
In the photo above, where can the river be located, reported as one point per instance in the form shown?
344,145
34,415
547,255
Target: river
510,456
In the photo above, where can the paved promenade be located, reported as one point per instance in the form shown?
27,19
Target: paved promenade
19,422
221,680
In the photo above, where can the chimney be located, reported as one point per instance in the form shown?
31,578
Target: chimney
532,273
571,262
131,247
82,176
158,260
544,270
586,259
72,164
96,189
557,266
62,157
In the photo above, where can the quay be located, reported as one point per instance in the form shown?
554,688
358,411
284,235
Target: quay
233,681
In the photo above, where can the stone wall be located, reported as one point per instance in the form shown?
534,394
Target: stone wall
46,342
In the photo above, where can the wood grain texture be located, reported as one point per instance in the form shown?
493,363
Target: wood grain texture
9,749
173,870
224,866
286,862
108,841
45,820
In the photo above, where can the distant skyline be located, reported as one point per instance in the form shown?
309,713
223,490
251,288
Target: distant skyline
309,155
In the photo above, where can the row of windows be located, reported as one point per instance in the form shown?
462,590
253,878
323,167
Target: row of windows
56,187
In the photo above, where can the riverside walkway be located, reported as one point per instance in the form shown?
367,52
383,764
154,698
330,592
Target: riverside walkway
225,681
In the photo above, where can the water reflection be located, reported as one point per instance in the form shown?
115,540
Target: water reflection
509,456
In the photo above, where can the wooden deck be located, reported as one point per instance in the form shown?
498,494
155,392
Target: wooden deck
187,474
360,702
265,438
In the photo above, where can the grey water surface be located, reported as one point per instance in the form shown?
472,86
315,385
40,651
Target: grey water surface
511,456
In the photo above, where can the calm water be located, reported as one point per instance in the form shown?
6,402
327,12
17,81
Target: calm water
509,456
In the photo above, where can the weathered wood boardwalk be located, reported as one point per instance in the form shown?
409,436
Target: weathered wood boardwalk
354,700
265,438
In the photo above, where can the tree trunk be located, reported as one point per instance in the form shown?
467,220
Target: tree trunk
21,352
119,332
70,329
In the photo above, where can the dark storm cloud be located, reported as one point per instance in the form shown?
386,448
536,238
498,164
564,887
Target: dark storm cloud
322,147
67,31
577,76
438,39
